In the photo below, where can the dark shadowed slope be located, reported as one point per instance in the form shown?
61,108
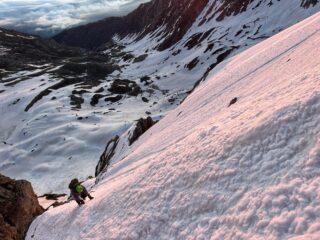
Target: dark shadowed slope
176,17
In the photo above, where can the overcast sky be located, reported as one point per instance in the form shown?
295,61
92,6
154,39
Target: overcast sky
47,17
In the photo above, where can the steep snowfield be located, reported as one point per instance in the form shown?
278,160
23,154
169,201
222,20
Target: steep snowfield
209,171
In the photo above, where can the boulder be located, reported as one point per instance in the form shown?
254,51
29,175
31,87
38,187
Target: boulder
19,206
142,125
125,87
191,65
76,101
140,58
233,101
95,99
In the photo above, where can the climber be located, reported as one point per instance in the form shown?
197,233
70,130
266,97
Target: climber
78,191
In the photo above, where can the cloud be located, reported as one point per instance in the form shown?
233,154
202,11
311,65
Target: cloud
48,17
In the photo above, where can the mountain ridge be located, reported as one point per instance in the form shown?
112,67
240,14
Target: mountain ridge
175,16
96,34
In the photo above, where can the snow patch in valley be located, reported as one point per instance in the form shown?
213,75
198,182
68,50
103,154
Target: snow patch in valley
209,171
52,139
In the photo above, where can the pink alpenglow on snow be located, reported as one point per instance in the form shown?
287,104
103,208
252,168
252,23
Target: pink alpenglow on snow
209,171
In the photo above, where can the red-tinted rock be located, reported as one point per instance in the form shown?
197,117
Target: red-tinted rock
18,207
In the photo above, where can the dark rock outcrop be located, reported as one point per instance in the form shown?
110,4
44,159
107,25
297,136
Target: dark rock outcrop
95,99
53,196
140,58
107,155
141,126
74,69
125,87
191,65
309,3
18,207
94,70
113,99
233,101
76,101
55,199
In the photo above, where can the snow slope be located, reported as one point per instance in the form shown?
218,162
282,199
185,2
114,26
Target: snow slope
53,140
209,171
208,41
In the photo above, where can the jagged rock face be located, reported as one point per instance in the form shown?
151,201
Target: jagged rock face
19,206
140,127
177,17
107,155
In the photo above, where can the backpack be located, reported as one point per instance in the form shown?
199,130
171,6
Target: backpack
79,188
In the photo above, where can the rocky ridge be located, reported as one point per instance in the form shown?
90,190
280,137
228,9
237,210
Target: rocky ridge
19,206
174,18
